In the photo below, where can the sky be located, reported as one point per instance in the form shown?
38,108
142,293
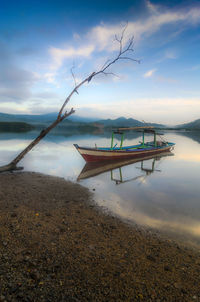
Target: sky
40,41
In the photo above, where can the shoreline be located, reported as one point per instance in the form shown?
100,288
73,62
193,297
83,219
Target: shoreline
56,245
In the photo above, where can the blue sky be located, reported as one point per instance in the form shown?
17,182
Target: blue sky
41,40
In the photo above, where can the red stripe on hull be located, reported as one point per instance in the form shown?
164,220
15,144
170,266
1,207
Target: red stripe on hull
94,158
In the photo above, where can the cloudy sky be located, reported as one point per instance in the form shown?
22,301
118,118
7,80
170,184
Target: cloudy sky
41,40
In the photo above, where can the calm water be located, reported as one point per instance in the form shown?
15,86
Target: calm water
160,193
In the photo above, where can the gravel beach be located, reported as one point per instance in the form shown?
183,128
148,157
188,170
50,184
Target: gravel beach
56,245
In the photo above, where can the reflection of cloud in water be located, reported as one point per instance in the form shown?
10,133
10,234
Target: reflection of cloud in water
166,200
189,157
163,203
143,180
54,159
181,225
16,145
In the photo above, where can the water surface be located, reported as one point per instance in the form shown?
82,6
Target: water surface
160,193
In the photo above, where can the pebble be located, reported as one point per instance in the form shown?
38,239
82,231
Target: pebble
13,215
98,259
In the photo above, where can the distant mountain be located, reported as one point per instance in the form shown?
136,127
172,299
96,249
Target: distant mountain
81,119
5,117
78,121
126,122
190,126
120,122
38,122
42,118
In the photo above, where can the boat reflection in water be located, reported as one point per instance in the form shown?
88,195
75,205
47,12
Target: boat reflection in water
96,168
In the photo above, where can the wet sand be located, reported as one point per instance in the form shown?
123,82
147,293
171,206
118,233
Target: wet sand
55,245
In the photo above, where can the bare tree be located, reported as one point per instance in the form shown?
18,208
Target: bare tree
124,53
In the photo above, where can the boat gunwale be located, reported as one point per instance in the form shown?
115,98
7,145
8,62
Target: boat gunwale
149,148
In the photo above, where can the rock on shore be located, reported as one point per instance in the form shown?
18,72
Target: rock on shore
55,245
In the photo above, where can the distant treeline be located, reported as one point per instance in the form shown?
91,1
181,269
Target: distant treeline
15,127
79,127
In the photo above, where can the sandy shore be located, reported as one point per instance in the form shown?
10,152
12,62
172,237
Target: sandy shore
56,246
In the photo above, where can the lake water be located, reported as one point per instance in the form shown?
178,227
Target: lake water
160,193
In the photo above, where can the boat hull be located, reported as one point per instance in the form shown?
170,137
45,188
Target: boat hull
94,155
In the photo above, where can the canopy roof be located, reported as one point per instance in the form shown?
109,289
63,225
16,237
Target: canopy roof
135,128
147,129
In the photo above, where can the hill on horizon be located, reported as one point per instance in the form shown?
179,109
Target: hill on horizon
75,120
41,118
49,117
195,125
126,122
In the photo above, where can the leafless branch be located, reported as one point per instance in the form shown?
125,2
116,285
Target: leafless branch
105,64
127,58
110,73
72,73
123,49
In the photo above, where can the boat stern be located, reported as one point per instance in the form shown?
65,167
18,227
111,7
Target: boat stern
76,146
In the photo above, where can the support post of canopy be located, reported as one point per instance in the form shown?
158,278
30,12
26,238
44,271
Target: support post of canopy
112,139
122,139
155,143
143,139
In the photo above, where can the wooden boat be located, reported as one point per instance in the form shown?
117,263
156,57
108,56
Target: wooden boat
118,153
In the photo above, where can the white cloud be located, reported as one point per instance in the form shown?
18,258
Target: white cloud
194,68
59,54
159,110
166,80
152,7
149,73
171,54
50,77
101,37
16,81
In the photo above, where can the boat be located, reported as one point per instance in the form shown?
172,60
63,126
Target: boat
113,152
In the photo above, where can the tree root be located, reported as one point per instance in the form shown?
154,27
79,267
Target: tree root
10,167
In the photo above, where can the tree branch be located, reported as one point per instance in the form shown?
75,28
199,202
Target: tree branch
123,49
72,73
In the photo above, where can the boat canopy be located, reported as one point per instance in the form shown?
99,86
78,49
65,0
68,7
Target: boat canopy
143,129
134,128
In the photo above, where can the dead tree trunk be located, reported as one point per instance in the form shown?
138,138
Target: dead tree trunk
121,55
13,164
